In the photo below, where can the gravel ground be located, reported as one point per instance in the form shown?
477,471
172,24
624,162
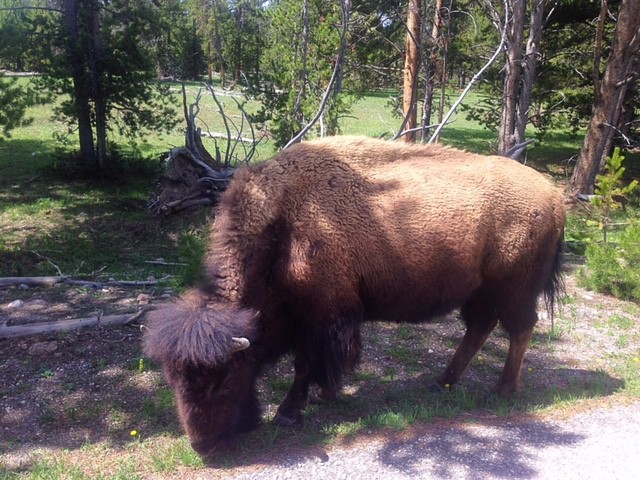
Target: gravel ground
598,444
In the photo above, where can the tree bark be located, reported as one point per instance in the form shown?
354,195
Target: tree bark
609,99
411,68
529,69
80,81
513,75
96,62
434,63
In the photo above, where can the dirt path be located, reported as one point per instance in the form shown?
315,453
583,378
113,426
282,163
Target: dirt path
596,444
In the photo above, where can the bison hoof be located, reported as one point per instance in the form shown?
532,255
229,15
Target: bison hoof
285,421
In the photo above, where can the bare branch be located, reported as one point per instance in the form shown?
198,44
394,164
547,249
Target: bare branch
475,78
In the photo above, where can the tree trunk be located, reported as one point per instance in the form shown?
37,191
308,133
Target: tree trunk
80,82
628,113
433,61
238,42
513,75
299,82
529,69
96,62
411,68
438,61
217,42
609,99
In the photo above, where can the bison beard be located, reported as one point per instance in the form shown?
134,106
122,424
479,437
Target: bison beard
331,233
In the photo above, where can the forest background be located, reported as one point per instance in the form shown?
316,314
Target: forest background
568,65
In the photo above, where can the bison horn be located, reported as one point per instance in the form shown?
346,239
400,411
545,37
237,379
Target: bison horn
239,343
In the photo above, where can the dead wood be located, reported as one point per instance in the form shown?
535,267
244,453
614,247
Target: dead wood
14,331
31,281
51,281
195,177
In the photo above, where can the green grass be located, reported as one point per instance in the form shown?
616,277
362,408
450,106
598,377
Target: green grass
176,454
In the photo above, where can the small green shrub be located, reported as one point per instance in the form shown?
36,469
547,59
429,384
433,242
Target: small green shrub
612,268
611,195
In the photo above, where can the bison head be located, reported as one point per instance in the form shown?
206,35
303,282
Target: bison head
207,359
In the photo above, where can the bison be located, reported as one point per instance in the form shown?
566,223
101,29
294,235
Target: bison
330,233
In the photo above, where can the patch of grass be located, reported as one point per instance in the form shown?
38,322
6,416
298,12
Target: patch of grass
279,387
565,322
125,470
393,420
628,368
568,299
404,355
363,376
47,373
405,332
343,429
389,374
52,468
176,454
620,322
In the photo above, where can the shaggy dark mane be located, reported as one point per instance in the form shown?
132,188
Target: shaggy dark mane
190,331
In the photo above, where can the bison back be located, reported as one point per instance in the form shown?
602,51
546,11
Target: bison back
394,231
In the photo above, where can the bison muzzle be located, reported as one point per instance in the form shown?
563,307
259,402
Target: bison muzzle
331,233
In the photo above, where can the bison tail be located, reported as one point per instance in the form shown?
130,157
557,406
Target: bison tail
554,288
192,332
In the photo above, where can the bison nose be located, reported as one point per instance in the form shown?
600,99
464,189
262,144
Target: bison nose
207,446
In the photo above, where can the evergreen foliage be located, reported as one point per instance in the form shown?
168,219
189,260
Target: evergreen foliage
611,267
13,105
297,63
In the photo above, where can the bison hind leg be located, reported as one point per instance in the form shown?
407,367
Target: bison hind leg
518,321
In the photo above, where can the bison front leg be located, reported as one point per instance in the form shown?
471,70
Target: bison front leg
480,319
290,410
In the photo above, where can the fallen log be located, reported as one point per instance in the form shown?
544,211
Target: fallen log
14,331
51,281
32,281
